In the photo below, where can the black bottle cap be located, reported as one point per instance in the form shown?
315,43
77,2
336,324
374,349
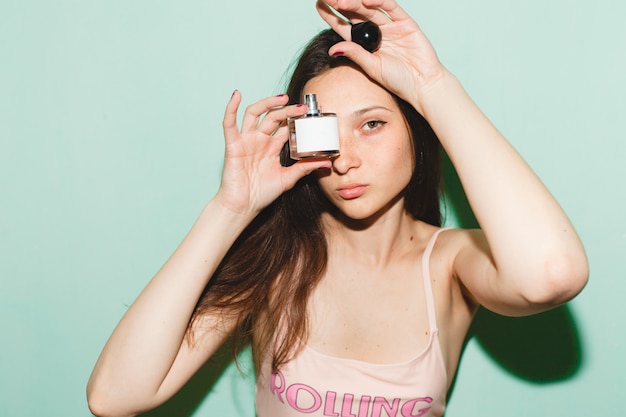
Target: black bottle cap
366,34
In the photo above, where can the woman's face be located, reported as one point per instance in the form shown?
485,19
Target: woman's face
376,159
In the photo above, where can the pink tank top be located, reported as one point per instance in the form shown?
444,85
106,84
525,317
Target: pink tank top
315,384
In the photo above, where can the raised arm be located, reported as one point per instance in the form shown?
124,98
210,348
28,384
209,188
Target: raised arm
528,257
147,358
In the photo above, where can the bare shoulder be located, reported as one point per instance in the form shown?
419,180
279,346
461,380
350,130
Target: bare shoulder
449,245
459,245
453,240
454,243
466,253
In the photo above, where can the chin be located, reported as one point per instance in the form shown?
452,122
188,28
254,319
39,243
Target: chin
362,216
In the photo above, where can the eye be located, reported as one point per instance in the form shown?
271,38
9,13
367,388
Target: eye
373,125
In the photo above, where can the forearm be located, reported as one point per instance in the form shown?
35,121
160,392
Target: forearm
527,231
145,344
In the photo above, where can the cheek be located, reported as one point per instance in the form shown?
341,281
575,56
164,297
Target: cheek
402,158
408,154
405,168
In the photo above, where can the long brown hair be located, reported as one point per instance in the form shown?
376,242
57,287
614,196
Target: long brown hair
267,276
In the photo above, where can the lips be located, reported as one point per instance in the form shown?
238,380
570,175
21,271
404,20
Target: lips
351,191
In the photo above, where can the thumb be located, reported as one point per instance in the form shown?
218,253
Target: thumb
301,169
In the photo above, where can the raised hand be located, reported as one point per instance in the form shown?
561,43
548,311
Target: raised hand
253,176
406,62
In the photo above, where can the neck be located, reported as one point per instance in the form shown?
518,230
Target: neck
375,241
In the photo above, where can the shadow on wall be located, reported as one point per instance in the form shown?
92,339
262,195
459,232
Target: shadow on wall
542,348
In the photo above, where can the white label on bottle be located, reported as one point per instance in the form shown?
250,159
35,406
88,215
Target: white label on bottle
317,134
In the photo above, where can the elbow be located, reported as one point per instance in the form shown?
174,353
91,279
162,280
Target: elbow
99,409
563,278
101,406
97,406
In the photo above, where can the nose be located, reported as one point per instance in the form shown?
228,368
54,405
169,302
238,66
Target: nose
348,157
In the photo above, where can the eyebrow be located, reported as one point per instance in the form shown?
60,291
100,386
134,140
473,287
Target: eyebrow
366,110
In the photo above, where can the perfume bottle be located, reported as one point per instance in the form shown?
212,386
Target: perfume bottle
314,134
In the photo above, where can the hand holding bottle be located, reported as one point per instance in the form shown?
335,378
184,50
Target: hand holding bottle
253,176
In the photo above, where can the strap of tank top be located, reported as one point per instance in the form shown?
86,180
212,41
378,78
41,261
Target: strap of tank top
428,290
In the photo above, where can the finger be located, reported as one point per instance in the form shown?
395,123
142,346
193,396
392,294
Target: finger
281,134
389,7
347,7
339,24
367,61
230,116
357,11
253,113
302,168
277,116
278,140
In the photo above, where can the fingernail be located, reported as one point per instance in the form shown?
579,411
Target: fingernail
338,53
281,95
233,95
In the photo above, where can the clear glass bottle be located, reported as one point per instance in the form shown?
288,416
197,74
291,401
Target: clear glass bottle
314,134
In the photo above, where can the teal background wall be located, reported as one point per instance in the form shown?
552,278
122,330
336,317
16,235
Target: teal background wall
110,144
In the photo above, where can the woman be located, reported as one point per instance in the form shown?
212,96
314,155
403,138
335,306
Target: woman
355,301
